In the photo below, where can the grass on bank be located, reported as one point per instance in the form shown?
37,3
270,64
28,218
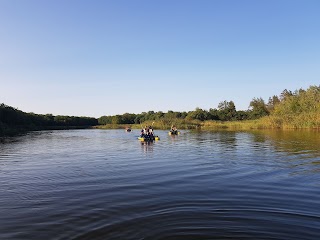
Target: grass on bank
302,121
157,124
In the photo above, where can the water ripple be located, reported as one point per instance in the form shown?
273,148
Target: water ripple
105,184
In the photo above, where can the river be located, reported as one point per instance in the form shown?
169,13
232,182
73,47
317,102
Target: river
106,184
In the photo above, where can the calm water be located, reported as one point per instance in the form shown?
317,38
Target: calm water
105,184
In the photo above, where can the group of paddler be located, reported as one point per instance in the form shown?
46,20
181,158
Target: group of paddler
147,133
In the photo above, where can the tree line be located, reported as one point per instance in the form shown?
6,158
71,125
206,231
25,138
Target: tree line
226,111
13,116
300,108
13,120
288,103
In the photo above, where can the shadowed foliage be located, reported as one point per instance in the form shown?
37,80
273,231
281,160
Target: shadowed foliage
13,121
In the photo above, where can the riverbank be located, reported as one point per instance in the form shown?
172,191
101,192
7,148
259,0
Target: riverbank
268,122
265,123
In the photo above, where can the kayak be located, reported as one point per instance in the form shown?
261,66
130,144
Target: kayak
174,133
143,139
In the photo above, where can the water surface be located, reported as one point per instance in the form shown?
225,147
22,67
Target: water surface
105,184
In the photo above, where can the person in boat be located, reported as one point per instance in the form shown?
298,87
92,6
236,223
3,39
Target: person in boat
144,132
150,131
174,129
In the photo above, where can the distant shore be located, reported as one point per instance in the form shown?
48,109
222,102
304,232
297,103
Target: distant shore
291,110
263,123
195,125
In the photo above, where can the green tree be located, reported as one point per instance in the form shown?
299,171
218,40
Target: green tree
300,102
258,108
227,111
213,114
285,94
272,102
198,114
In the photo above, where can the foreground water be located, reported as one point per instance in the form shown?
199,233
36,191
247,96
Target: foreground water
105,184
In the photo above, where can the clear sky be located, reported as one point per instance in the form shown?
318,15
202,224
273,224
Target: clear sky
94,58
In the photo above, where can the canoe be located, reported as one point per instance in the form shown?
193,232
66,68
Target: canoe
174,133
143,139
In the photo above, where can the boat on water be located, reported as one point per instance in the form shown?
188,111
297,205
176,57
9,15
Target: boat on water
176,132
147,135
146,138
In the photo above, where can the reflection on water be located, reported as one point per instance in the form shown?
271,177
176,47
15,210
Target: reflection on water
106,184
295,141
147,146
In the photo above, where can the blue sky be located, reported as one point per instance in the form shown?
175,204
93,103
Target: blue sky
94,58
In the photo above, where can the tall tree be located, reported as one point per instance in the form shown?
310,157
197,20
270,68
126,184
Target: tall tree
258,108
272,102
227,111
198,114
